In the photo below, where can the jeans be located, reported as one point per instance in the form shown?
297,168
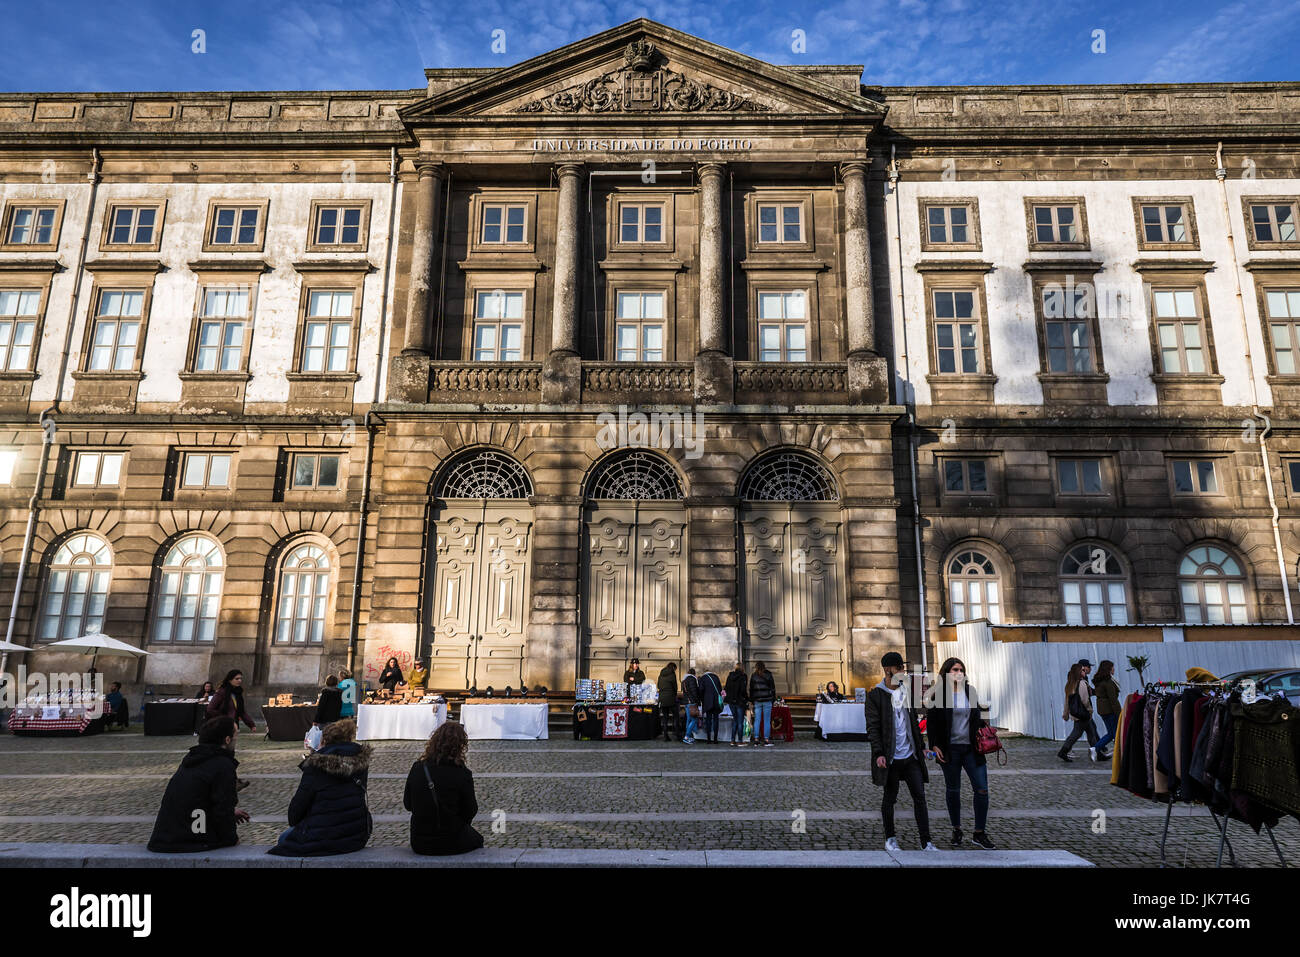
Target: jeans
711,725
1112,722
909,771
692,723
963,757
762,720
737,721
1081,727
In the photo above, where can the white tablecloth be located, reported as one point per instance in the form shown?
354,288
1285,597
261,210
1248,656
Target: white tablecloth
411,722
847,718
507,722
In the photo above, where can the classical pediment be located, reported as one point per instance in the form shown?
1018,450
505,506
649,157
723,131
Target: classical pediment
639,69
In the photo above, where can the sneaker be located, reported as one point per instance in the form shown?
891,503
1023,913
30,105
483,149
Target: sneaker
1092,754
768,744
1065,757
982,839
956,837
929,846
1106,755
891,845
688,741
735,744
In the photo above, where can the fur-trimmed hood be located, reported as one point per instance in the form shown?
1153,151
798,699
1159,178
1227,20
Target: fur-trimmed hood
340,760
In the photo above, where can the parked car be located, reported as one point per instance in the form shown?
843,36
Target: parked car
1272,680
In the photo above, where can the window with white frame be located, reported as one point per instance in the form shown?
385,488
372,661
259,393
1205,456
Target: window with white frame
1212,587
31,225
639,327
783,326
315,470
304,597
1164,223
97,469
1195,477
205,469
1080,477
338,226
947,225
1180,331
189,591
18,313
974,588
1283,308
1094,588
133,226
966,476
327,332
498,326
641,222
116,331
1273,222
235,226
76,592
223,321
1067,328
503,222
780,223
1056,224
956,332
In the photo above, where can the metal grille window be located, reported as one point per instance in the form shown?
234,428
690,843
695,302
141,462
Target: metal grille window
485,474
956,331
948,224
1212,587
641,223
1274,223
635,476
1164,224
235,225
116,330
18,311
1179,331
1094,588
31,225
503,223
966,475
1056,224
133,225
1283,306
189,592
1080,476
77,590
783,326
327,334
974,588
304,597
206,470
1195,477
315,471
1068,329
639,327
780,223
788,477
498,326
223,317
338,226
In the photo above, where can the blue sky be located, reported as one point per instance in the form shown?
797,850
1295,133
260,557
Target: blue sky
354,44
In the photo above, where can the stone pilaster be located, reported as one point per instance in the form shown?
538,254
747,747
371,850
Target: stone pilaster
867,371
411,368
714,368
562,369
551,655
711,536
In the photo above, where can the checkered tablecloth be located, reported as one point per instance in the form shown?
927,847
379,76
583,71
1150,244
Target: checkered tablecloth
67,722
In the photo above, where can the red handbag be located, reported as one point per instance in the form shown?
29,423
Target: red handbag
986,742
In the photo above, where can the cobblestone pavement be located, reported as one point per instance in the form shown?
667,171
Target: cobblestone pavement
803,796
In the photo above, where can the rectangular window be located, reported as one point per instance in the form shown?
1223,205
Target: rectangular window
498,326
641,223
1283,308
639,327
8,462
1055,225
206,470
92,469
133,226
338,226
1164,223
1180,332
1067,329
783,326
31,225
1273,222
956,332
18,311
222,321
327,333
947,225
1080,476
780,223
315,471
1293,470
235,225
503,223
966,475
116,330
1195,477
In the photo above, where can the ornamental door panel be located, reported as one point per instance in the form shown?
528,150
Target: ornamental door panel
768,601
456,581
610,585
503,562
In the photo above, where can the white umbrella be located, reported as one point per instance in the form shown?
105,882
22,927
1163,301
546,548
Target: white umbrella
97,644
10,646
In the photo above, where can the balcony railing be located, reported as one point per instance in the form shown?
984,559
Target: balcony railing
646,383
791,383
485,382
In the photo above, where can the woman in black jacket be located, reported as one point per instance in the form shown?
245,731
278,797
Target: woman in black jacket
736,690
440,796
328,814
391,676
952,722
330,706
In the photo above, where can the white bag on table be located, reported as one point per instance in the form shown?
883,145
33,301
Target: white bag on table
311,740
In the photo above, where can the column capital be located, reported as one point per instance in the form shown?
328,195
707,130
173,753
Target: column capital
711,169
429,166
564,170
855,167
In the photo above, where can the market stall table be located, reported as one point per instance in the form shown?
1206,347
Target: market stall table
408,722
288,722
505,722
612,720
846,721
173,717
59,720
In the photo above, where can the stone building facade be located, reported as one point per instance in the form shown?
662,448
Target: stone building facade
640,348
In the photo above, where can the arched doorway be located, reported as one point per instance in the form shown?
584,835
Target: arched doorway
479,563
634,567
793,593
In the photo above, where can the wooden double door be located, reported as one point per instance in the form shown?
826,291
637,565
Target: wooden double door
634,589
477,618
793,594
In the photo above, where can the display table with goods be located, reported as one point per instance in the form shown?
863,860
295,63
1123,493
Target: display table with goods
286,721
64,713
504,719
844,721
174,716
401,719
615,711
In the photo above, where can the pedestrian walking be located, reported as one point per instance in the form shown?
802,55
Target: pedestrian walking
1106,691
710,705
762,692
691,692
736,698
328,813
952,722
440,796
897,750
1078,708
228,700
667,685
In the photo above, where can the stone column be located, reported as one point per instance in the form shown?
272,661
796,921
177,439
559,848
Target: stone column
866,370
714,375
410,379
562,370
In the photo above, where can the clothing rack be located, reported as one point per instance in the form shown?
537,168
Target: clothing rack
1221,686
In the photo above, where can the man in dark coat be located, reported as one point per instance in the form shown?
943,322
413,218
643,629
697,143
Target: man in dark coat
328,814
710,705
736,691
897,749
667,684
198,811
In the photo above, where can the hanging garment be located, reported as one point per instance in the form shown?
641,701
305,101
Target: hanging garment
1117,749
1186,740
1264,758
1165,760
1133,776
1160,778
1196,790
1148,729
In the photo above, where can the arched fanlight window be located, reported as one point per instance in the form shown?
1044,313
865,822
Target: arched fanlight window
76,594
1094,588
788,477
974,588
189,591
635,476
304,596
1212,586
485,474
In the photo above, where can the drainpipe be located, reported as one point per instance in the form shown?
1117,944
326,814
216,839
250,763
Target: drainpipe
911,408
1221,174
47,417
